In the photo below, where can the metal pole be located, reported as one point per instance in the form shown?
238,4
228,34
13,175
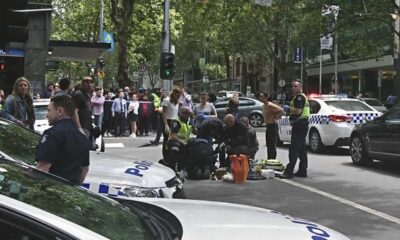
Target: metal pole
101,20
301,65
397,54
336,63
320,70
167,84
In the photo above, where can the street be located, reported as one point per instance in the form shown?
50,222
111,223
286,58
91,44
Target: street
360,202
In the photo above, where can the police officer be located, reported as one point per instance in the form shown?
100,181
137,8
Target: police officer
63,150
178,139
299,114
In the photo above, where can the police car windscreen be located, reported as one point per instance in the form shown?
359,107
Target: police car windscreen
349,105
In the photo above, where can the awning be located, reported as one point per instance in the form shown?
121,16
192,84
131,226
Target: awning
75,51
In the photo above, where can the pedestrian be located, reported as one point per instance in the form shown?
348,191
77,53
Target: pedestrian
236,140
63,150
299,114
49,91
119,113
98,107
203,110
271,112
18,106
233,105
252,135
186,99
160,122
83,106
64,86
144,115
107,116
391,101
133,114
170,108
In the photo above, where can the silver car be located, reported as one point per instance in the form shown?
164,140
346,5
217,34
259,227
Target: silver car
249,107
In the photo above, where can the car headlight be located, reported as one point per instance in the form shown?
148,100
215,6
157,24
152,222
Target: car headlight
141,192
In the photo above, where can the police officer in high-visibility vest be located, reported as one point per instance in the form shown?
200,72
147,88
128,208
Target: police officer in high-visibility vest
156,100
299,114
178,139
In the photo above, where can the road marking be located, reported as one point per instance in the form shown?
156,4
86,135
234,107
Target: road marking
345,201
114,145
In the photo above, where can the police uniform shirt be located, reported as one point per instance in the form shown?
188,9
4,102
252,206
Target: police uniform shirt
66,149
175,126
298,102
211,127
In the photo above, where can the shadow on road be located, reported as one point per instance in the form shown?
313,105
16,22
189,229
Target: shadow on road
387,168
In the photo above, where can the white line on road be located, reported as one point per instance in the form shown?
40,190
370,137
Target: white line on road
114,145
345,201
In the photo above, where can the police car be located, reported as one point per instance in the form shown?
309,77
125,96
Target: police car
332,119
108,174
36,205
40,108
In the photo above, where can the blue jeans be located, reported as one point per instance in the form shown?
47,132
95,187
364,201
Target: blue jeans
98,120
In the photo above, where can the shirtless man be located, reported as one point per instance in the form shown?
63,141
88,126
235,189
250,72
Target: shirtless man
272,112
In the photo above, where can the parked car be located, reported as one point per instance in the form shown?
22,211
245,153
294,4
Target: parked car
36,205
378,139
228,94
108,174
249,107
331,121
375,103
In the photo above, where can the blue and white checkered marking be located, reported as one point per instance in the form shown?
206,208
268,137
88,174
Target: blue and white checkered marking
363,117
102,189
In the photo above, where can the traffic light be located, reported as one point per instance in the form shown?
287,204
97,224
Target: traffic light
13,21
167,66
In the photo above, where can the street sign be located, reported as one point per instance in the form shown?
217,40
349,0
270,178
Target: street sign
281,83
298,55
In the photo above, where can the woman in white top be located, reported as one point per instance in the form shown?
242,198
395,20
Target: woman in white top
133,114
203,110
170,108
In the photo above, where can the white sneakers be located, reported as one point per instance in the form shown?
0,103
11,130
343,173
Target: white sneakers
133,135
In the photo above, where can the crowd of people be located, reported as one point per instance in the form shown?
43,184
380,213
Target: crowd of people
175,116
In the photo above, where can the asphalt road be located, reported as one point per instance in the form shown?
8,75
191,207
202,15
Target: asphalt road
361,202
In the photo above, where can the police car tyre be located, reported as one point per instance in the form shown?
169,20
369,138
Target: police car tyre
315,141
256,120
358,152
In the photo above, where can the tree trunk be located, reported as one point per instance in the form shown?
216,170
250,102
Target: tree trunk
121,15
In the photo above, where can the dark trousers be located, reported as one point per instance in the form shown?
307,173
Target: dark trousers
177,153
224,160
165,140
271,136
120,124
160,127
297,147
144,125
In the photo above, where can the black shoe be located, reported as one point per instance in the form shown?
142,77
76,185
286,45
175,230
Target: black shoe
285,176
154,142
300,174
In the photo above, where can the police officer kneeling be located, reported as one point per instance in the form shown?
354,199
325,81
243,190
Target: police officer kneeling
178,140
63,150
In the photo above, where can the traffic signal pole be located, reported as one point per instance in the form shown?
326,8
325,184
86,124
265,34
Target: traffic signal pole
167,84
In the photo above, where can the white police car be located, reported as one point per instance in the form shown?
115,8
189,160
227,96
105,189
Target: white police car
108,174
40,108
332,119
36,205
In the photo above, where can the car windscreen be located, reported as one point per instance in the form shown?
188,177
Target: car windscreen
40,112
349,105
50,194
18,142
373,102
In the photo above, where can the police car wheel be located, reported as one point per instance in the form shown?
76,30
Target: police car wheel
256,120
358,152
315,141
